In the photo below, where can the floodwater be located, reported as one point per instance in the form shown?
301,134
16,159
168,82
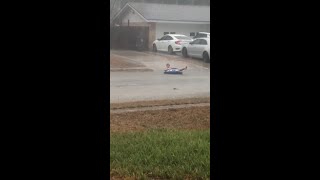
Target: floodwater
138,86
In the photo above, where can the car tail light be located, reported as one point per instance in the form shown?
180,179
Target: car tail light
178,42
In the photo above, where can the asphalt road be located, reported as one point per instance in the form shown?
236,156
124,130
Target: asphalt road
137,86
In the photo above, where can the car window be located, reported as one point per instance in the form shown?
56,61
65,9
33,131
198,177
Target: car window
202,35
163,38
169,38
203,42
197,41
182,37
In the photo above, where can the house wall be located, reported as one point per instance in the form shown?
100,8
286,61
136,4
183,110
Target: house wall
132,17
180,28
156,30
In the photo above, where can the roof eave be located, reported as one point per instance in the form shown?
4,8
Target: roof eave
138,13
124,7
180,22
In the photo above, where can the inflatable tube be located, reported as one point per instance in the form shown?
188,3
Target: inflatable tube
172,71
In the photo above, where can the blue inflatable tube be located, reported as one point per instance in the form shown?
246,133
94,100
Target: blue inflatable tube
172,71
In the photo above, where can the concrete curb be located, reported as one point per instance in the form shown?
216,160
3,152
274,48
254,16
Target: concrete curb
163,107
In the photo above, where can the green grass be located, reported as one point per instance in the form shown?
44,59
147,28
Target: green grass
161,154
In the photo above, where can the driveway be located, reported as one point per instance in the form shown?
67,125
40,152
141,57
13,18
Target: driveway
137,86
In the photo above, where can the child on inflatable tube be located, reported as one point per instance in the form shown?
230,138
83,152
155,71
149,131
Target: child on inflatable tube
168,68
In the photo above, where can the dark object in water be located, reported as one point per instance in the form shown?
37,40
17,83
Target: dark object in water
173,71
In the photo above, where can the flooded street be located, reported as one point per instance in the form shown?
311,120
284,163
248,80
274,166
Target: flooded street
137,86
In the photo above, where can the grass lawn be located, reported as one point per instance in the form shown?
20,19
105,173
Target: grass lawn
194,118
160,154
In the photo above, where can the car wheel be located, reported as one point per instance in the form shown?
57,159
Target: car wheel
170,50
154,48
184,52
206,57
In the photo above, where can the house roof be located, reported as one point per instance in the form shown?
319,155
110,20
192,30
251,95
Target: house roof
152,12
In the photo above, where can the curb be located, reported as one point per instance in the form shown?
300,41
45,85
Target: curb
162,107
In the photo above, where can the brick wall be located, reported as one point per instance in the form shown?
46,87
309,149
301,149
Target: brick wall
152,34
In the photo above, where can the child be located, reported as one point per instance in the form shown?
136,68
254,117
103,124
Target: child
168,67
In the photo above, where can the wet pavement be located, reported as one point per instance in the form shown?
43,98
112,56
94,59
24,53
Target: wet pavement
136,86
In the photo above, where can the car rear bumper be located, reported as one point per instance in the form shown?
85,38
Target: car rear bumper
177,48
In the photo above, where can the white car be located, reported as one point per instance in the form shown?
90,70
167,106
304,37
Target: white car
199,48
170,43
202,35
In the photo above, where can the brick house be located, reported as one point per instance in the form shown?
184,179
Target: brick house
162,19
